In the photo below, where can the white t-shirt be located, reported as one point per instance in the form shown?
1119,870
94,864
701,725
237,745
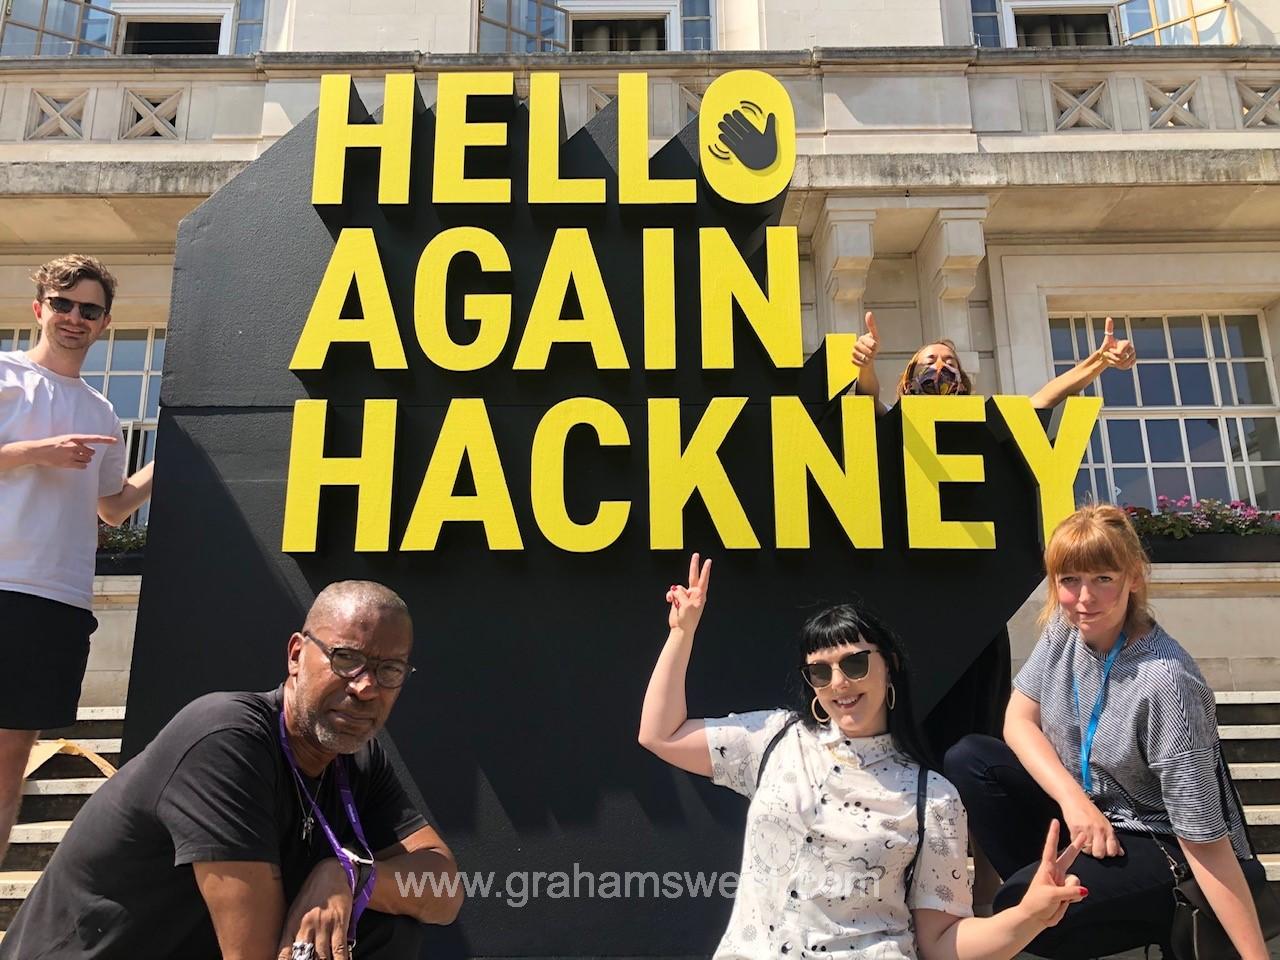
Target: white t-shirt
49,515
830,833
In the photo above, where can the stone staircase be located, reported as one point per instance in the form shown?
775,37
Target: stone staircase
1249,723
52,797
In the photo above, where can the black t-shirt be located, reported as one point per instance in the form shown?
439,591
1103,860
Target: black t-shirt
212,786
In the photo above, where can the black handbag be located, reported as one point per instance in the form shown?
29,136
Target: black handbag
1196,933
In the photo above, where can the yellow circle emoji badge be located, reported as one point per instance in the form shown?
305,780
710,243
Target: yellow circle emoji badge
747,136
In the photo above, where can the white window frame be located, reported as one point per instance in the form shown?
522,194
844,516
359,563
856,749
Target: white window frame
1009,8
151,11
669,10
1222,412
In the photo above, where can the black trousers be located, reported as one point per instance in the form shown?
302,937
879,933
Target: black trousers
1130,902
381,936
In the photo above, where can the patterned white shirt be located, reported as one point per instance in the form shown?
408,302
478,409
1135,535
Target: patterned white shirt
830,833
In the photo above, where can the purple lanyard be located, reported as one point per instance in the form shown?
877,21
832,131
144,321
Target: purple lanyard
361,897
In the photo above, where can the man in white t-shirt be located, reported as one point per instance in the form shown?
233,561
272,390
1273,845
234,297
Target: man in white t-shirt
62,465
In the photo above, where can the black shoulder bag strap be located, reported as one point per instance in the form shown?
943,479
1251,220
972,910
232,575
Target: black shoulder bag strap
922,794
777,738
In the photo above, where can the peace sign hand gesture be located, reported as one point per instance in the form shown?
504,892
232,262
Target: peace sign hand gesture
687,602
1052,889
1116,353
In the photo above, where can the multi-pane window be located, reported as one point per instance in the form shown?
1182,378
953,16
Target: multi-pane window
695,24
532,26
1143,22
1166,22
17,338
986,23
1196,416
522,26
249,19
53,28
50,28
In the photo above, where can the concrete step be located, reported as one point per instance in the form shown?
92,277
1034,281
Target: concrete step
97,722
1258,783
1248,706
1250,742
14,887
32,844
56,799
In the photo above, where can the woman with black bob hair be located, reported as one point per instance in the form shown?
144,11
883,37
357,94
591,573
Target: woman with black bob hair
835,863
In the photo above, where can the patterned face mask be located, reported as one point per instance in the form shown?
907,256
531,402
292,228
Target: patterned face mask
936,381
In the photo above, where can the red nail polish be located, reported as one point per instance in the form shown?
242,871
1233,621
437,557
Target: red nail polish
1084,891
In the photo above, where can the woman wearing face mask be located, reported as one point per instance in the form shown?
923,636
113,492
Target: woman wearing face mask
1112,728
832,829
935,369
976,702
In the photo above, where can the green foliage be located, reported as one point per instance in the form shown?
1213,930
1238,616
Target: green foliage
1181,518
121,539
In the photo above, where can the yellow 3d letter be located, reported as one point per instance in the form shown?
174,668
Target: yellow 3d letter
492,311
454,133
571,259
634,184
466,432
354,259
1054,466
675,473
335,134
775,317
310,471
547,473
925,470
852,491
545,184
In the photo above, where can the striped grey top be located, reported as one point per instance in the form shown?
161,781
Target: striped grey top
1155,756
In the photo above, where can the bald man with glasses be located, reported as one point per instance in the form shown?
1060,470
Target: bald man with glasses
260,825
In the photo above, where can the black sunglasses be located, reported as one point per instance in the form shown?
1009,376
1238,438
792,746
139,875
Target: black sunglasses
853,666
349,664
93,312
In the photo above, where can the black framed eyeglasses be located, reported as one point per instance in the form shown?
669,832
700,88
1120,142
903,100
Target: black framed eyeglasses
93,312
349,664
853,666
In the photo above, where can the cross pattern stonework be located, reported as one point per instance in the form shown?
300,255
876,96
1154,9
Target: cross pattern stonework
57,117
1170,106
1260,102
1077,105
150,115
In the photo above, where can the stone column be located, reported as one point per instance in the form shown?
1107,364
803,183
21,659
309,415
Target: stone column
947,260
843,247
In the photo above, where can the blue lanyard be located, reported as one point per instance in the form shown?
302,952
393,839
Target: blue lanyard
1091,731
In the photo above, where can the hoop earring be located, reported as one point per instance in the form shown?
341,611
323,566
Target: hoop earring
813,708
891,697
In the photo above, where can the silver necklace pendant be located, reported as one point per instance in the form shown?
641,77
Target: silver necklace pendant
307,823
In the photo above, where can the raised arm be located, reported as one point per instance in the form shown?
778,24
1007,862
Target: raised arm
246,904
864,358
1026,739
665,727
1113,353
118,507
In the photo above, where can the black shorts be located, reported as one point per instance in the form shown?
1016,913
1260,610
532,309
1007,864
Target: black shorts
46,646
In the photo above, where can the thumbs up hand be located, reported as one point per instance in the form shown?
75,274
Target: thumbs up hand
867,345
1116,353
